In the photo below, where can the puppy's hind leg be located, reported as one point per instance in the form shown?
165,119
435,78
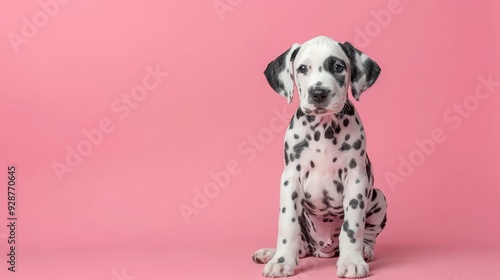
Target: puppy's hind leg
375,221
265,254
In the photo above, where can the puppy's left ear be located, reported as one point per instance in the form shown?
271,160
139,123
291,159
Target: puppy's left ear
364,70
279,72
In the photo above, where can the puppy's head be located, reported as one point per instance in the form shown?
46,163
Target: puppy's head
322,69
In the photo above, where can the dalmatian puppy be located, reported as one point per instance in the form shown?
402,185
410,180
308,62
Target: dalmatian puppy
328,206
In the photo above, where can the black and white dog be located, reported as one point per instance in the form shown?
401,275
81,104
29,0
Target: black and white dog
328,206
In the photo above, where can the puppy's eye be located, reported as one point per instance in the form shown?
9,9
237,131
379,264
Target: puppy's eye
338,67
302,69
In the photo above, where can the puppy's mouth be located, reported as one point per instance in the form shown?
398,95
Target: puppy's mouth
316,111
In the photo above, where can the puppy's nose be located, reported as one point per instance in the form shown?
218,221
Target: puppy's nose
319,94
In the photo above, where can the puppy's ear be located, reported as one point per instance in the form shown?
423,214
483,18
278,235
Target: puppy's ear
364,70
279,73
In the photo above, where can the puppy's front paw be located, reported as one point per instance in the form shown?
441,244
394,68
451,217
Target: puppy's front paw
279,266
352,266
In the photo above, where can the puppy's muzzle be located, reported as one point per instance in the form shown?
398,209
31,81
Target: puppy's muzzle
318,95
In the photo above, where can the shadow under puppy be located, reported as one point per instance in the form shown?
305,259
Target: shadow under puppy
328,206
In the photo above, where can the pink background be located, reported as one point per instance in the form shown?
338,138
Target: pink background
119,208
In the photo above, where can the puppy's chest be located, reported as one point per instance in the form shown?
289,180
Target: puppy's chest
320,152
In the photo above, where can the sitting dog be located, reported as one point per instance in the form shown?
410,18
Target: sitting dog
328,206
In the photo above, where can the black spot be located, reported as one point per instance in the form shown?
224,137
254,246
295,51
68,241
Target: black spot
312,164
348,109
298,167
299,113
299,147
345,227
283,210
357,144
368,168
346,122
284,240
362,204
307,174
334,159
329,65
354,203
293,220
307,195
321,243
286,158
286,145
357,120
310,118
337,128
296,136
294,195
329,133
339,186
334,141
285,183
281,260
308,137
360,196
362,137
362,152
304,123
357,181
313,127
345,147
357,225
317,135
320,69
374,195
352,163
292,156
347,136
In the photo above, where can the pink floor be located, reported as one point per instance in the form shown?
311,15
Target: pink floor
391,262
